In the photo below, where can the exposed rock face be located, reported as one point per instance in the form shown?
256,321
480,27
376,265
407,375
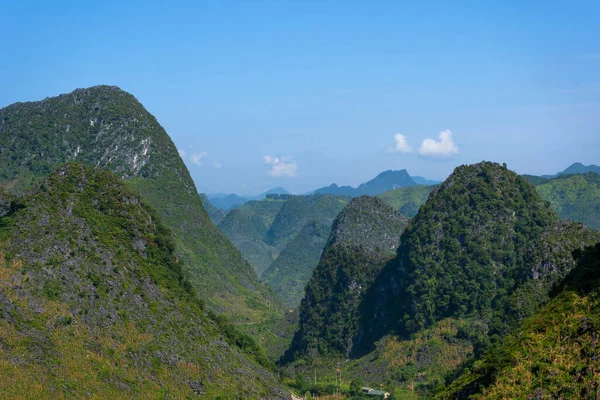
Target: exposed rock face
101,126
107,128
93,301
370,223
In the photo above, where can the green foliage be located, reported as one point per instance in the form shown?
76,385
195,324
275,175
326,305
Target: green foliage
478,225
363,237
216,215
329,314
247,227
370,223
576,197
282,237
289,273
407,200
109,129
553,354
297,212
95,296
243,341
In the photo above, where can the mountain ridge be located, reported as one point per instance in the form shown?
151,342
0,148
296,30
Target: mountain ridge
384,181
229,201
108,128
94,302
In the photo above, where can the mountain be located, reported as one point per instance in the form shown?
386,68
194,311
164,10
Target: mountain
575,168
419,180
576,197
277,190
215,214
383,182
553,354
535,180
284,235
336,190
482,254
407,200
109,129
288,274
229,201
363,238
247,228
495,237
579,168
298,211
94,302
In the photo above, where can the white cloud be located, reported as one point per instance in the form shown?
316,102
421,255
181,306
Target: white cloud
182,153
442,148
281,166
400,145
217,165
197,158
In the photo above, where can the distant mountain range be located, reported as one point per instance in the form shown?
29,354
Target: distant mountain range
112,274
424,181
576,168
383,182
228,201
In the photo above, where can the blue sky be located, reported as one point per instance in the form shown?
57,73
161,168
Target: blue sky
301,94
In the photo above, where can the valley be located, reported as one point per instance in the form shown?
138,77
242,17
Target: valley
299,200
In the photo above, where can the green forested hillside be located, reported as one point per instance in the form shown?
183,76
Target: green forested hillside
288,274
300,210
109,129
576,197
553,354
94,302
407,200
247,228
216,215
481,255
535,180
282,237
369,223
363,237
482,235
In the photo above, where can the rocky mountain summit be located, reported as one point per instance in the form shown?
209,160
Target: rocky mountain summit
107,128
363,238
